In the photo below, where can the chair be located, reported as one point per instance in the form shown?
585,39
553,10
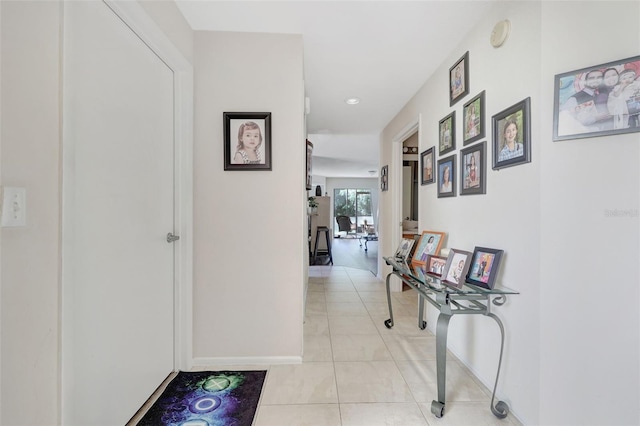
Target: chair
345,225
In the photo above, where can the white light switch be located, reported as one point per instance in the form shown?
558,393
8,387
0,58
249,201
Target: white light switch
14,207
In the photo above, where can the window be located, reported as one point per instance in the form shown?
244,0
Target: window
355,203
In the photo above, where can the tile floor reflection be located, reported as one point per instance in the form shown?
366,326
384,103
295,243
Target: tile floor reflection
355,371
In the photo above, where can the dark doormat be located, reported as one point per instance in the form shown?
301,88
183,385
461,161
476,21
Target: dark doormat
228,398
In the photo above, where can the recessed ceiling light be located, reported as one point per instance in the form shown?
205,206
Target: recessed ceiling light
352,101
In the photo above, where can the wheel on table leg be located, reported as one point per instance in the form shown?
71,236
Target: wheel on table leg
501,410
388,323
423,325
437,408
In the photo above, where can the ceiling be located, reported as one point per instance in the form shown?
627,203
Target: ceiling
379,51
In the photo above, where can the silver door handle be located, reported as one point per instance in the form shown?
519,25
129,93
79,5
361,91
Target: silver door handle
171,238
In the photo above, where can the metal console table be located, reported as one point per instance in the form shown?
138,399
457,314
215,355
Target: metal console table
470,300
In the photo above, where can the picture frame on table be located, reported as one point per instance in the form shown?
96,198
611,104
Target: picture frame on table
447,176
427,164
473,169
456,269
403,250
459,79
435,265
429,244
512,135
447,133
599,100
247,140
309,168
484,267
473,120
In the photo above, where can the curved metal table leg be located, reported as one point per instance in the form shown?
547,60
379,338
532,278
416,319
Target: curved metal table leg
422,324
389,323
501,409
437,407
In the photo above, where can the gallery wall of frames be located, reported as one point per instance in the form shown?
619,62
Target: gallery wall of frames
598,100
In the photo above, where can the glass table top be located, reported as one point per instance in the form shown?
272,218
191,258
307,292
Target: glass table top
435,283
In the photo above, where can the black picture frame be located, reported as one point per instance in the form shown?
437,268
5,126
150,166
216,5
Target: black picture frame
459,79
515,118
447,189
427,166
473,120
485,264
473,169
447,134
309,165
384,178
234,124
599,100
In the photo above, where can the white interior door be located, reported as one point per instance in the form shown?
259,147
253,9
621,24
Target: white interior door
118,268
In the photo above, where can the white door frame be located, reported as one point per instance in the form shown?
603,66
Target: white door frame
134,16
412,127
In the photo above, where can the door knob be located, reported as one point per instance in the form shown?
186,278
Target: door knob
171,238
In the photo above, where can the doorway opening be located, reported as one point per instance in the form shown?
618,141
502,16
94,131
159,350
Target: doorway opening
355,204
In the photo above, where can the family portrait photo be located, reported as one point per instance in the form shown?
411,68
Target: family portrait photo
459,79
247,141
455,271
598,100
473,119
473,170
427,159
512,135
435,265
447,132
446,176
404,249
429,244
484,267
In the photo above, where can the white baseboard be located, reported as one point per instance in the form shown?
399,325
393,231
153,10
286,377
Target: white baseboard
199,363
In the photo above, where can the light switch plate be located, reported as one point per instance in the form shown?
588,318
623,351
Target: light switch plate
14,207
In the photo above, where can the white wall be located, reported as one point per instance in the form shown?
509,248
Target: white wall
506,217
589,283
30,255
572,349
250,226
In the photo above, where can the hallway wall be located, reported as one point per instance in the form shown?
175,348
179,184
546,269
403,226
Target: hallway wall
29,266
250,243
571,356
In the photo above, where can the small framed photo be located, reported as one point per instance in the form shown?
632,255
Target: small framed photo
435,265
447,131
309,156
598,100
455,270
404,249
473,175
447,176
247,140
459,79
429,244
484,267
473,120
384,178
512,135
427,162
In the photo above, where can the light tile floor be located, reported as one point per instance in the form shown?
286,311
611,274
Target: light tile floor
355,371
